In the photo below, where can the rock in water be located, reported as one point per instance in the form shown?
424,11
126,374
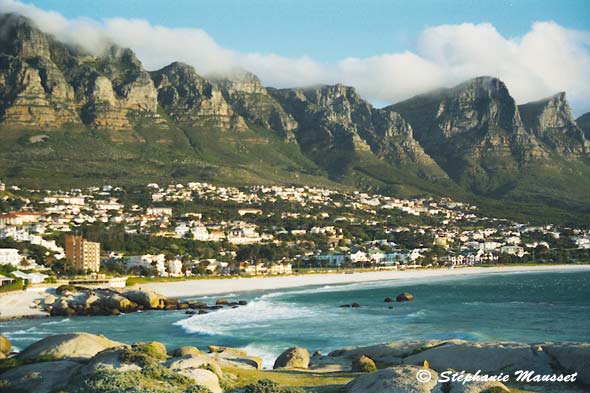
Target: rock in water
387,300
294,357
4,345
363,364
401,379
68,345
149,300
404,297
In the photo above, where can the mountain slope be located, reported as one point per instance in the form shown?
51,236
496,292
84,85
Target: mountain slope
69,118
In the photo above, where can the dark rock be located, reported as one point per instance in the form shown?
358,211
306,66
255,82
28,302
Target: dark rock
293,358
242,303
404,297
355,305
202,312
363,364
344,306
387,300
190,312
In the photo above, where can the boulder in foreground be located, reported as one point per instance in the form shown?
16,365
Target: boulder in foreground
4,345
294,357
68,345
363,364
397,379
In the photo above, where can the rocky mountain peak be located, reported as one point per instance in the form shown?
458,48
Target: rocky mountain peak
20,38
551,120
193,100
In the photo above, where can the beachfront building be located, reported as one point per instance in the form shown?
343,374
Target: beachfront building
83,254
10,256
513,250
174,268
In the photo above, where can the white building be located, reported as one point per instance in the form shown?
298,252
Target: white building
10,256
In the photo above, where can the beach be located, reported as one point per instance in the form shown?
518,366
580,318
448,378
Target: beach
194,288
21,304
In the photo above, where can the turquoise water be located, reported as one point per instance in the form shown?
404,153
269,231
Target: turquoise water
526,307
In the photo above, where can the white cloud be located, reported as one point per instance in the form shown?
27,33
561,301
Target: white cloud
547,59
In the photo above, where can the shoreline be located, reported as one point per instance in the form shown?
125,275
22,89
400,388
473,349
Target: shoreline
196,288
20,304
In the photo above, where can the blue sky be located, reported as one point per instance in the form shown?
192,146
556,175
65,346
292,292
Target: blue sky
331,29
388,50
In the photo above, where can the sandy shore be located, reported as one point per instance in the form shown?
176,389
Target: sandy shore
20,304
195,288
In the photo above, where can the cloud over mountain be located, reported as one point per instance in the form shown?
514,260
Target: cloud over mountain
547,59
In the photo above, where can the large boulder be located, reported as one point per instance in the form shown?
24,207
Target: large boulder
68,345
204,378
390,354
43,377
477,387
49,300
147,299
397,379
404,297
227,351
194,361
4,345
185,350
363,364
570,358
117,302
109,360
294,357
489,357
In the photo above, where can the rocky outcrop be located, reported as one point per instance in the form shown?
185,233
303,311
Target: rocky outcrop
477,387
44,377
363,364
551,120
185,350
147,299
193,101
293,358
570,358
4,346
487,357
404,297
203,378
68,346
251,100
398,379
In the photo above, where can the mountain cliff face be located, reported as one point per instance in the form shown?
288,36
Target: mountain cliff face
335,120
50,85
250,99
584,123
474,131
193,101
59,105
551,120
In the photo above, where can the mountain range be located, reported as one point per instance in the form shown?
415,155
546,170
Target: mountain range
69,118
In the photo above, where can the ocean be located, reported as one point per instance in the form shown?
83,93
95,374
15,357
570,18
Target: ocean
524,307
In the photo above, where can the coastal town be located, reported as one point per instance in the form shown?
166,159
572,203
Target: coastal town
103,234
